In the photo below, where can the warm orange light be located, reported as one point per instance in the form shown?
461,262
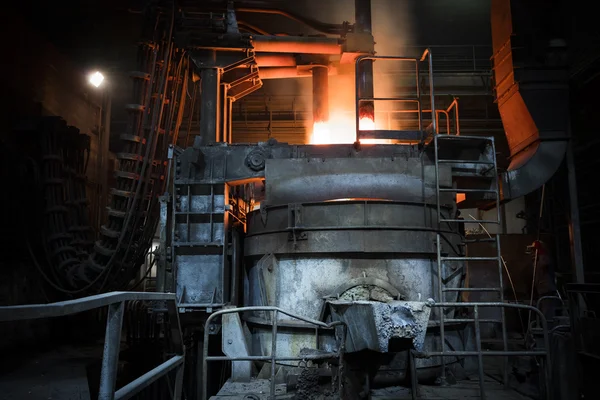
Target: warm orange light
321,133
460,197
341,129
366,124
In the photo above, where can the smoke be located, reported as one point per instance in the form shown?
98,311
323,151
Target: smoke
393,34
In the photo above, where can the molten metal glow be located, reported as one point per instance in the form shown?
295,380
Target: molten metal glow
342,129
366,124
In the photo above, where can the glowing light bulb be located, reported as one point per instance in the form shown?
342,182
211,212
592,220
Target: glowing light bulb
96,79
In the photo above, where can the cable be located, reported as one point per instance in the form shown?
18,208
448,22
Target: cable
535,258
152,264
507,273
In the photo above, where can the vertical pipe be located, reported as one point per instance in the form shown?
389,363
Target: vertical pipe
110,356
419,106
229,120
224,136
574,226
432,92
362,15
210,105
320,86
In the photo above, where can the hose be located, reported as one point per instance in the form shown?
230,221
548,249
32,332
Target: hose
77,265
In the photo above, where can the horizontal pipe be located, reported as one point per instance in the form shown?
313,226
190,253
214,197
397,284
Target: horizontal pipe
295,44
280,73
275,60
288,72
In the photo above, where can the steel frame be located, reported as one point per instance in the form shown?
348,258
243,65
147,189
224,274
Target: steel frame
115,301
480,353
417,99
273,357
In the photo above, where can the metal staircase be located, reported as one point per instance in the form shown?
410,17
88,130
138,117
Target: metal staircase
474,173
472,160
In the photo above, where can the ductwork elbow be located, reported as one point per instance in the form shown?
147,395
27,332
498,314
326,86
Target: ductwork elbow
532,95
532,168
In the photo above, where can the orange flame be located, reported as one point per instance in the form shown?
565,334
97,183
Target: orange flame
342,129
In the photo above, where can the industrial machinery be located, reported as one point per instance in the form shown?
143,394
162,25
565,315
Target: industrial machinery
315,270
330,270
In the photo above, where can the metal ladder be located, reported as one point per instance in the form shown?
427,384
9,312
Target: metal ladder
440,142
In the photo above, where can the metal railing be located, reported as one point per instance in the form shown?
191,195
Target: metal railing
273,359
458,58
479,352
417,99
115,301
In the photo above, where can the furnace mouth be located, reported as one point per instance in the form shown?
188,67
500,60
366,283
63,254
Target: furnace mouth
367,293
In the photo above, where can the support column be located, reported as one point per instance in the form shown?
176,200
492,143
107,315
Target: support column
224,128
210,100
320,93
110,357
362,11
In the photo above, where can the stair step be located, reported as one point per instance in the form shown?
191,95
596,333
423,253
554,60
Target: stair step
461,137
493,289
197,244
472,221
464,190
469,258
477,162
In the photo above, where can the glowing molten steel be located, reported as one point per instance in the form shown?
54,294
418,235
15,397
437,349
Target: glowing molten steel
341,129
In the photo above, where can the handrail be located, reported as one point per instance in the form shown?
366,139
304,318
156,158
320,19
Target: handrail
272,358
358,99
480,353
115,301
69,307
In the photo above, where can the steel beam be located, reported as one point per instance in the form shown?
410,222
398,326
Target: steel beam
110,356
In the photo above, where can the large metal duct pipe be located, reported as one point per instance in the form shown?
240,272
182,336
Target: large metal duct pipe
288,72
532,99
362,11
280,73
320,84
294,44
275,60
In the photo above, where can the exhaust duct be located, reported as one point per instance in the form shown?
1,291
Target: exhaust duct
532,92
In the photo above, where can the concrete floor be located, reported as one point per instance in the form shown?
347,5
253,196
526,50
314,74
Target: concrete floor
61,374
467,389
58,374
